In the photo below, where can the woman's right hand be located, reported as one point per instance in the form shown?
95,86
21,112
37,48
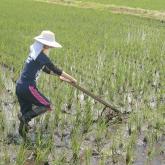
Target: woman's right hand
64,79
73,80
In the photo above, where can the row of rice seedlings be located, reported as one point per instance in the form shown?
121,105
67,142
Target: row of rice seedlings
138,124
119,76
136,80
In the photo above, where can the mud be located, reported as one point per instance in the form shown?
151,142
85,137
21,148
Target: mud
10,139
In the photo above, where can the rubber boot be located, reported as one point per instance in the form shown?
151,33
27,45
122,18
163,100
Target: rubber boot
23,126
26,118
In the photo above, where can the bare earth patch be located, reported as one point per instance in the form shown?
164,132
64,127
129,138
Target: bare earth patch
154,14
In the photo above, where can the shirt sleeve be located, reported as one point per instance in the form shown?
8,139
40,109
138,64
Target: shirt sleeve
46,70
45,61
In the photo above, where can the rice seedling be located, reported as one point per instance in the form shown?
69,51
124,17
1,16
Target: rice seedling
87,119
21,156
6,157
100,134
76,141
88,154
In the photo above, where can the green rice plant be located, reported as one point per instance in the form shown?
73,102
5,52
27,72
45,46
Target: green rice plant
100,134
129,156
2,121
5,158
60,160
43,140
130,148
41,155
88,155
1,83
150,150
138,121
113,149
69,97
87,119
76,141
102,161
21,155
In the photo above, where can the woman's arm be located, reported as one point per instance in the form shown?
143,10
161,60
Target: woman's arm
51,69
46,70
54,70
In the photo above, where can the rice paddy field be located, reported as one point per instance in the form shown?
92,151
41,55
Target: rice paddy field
119,57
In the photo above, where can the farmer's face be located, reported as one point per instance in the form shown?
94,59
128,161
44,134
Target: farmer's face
46,49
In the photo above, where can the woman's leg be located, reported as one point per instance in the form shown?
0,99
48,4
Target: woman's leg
25,105
25,109
28,95
38,99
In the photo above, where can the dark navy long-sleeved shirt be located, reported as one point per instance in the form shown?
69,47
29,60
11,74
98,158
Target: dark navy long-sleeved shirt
33,67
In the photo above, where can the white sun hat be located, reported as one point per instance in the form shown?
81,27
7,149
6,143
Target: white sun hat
47,38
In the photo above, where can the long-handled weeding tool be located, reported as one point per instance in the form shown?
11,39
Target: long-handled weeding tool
107,105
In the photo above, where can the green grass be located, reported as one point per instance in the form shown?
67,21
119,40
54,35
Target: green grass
145,4
119,57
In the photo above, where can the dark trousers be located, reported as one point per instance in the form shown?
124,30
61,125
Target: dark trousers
28,95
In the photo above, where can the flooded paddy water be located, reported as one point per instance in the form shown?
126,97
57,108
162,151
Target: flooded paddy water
100,143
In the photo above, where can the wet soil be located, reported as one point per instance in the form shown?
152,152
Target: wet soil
10,139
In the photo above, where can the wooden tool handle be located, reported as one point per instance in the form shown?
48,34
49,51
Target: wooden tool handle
94,96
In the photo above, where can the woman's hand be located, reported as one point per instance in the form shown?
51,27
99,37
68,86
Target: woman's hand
66,77
73,80
67,80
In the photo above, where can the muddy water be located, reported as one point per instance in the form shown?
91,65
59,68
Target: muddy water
10,139
141,153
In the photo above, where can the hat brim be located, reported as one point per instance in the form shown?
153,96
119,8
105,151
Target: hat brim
53,44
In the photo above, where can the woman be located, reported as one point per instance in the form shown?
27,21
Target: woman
26,90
